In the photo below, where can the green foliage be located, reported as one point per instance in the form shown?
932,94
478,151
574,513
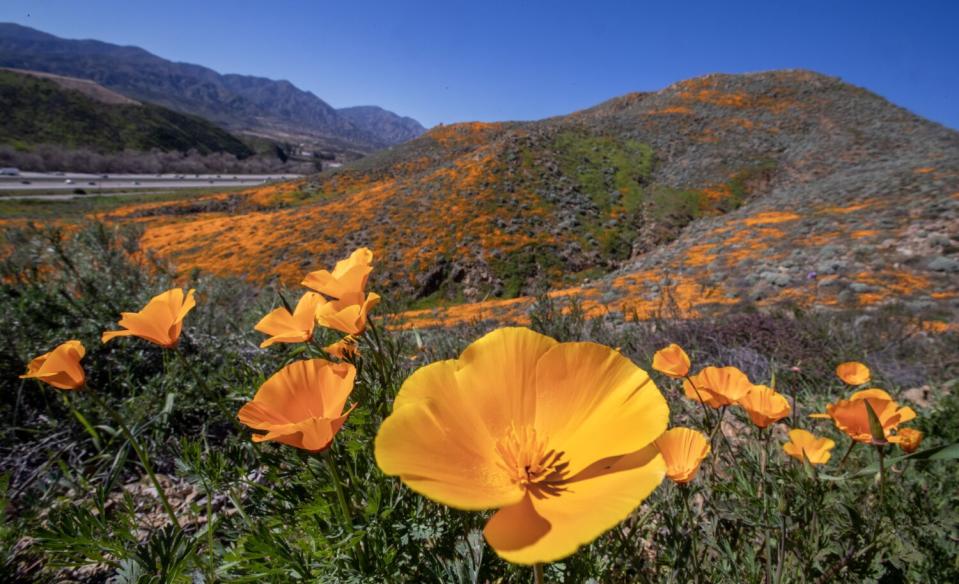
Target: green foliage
74,497
604,165
517,270
39,111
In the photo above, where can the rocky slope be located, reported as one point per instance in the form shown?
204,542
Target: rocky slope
767,187
238,102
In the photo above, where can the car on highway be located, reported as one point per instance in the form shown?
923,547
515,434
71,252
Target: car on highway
69,181
9,172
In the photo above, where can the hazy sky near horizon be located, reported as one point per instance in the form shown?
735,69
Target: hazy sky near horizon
451,61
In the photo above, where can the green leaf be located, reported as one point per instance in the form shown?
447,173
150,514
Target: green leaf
875,426
808,466
947,452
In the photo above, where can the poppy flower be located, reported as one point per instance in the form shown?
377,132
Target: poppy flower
853,373
347,314
683,449
348,277
345,348
817,449
60,367
717,386
160,321
672,361
557,436
908,439
284,327
765,405
852,417
302,404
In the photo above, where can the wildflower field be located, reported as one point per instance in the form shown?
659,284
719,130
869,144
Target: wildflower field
198,428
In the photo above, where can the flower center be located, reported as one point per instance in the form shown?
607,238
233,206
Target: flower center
529,462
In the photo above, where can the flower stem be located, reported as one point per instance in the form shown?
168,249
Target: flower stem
344,505
144,460
706,417
538,574
684,489
338,487
763,456
882,476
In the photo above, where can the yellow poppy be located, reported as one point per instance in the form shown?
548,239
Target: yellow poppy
908,439
345,348
764,405
853,373
817,449
60,367
347,314
160,321
850,415
348,277
284,327
302,404
717,386
683,449
672,361
557,436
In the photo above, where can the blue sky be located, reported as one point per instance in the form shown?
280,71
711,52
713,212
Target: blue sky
449,61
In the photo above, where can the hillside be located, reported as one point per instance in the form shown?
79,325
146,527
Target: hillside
767,187
73,113
238,102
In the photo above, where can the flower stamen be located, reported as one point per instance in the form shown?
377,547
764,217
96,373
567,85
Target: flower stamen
530,464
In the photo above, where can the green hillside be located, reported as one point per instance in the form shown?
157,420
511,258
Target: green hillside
39,111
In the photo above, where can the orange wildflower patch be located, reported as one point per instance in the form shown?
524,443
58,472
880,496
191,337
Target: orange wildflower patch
770,217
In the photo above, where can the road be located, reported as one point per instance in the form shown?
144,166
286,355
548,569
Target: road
67,183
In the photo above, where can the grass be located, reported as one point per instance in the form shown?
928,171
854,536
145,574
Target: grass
76,505
83,205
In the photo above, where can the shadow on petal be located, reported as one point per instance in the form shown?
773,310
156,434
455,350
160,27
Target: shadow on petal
516,527
618,463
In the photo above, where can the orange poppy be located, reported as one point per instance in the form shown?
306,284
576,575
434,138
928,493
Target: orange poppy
909,439
717,386
160,321
853,373
347,314
345,348
672,361
60,367
683,449
852,417
348,277
284,327
302,404
817,449
557,436
765,405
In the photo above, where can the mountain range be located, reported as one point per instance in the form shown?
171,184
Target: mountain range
781,186
74,113
264,107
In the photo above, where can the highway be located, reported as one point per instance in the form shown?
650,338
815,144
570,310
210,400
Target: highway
40,184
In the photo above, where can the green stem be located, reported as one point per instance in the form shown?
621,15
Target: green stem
692,531
144,460
846,455
338,487
763,455
706,417
882,476
538,574
344,505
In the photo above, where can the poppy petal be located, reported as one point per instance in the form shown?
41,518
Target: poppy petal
594,402
590,505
